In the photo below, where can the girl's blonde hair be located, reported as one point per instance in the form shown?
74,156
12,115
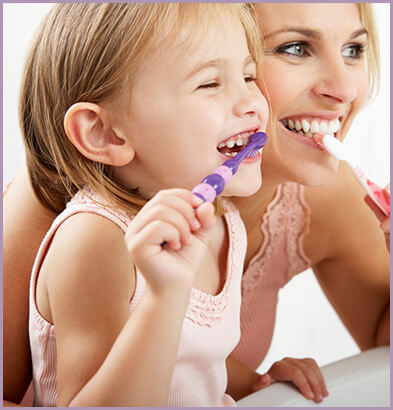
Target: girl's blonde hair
90,52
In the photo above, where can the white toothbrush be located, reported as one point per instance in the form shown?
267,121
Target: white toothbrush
376,193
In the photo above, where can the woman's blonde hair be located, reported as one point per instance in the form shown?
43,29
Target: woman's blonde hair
90,52
372,52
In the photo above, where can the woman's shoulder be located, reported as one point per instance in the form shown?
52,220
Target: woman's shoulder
333,201
338,214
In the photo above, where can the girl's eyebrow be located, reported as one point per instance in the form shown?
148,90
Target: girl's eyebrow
315,34
216,63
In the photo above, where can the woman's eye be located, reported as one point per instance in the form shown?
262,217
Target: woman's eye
293,49
212,84
353,51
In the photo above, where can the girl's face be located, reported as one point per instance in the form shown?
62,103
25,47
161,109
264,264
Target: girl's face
315,76
188,101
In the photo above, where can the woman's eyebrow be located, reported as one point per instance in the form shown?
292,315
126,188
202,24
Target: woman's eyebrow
315,34
294,29
358,33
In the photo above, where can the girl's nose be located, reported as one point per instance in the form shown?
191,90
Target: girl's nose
336,81
250,102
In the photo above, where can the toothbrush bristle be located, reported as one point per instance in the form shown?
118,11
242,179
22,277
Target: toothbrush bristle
257,141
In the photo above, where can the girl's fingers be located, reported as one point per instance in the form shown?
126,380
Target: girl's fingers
183,201
140,246
163,213
206,217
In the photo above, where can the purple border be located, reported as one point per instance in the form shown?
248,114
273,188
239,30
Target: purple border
150,1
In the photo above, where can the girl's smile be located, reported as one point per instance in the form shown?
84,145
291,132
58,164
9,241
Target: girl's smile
204,103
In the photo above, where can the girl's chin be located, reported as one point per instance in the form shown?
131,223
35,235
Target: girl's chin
243,189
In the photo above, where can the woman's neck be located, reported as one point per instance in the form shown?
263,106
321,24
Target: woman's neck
252,208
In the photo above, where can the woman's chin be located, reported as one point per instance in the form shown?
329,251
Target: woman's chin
316,174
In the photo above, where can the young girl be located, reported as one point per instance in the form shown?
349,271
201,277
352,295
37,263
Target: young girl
125,105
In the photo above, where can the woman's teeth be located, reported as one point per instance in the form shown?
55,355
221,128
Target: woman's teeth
305,127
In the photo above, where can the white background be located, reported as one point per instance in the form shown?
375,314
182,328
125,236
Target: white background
306,324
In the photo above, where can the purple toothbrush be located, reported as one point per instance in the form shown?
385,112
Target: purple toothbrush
214,183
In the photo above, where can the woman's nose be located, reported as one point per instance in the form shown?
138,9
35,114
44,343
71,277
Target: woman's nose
336,81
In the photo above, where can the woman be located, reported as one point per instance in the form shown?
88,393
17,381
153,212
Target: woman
318,78
315,77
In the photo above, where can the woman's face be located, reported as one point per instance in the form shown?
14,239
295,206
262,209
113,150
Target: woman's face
314,73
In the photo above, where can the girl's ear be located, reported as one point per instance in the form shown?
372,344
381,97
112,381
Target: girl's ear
88,127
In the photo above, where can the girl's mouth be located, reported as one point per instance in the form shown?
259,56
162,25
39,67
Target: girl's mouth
233,145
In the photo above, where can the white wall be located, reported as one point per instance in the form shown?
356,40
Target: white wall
306,325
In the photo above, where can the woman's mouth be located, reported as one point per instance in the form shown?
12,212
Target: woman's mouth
310,129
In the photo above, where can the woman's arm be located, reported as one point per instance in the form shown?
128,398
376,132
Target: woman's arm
353,263
25,222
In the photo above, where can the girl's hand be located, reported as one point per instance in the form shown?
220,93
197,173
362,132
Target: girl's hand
383,219
303,373
179,219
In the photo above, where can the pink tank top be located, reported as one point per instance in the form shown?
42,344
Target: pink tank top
210,332
281,256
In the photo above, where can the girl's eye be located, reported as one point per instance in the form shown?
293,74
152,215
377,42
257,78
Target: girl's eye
250,78
212,84
354,51
298,49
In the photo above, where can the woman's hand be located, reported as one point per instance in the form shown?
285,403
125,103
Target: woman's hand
179,219
383,219
305,374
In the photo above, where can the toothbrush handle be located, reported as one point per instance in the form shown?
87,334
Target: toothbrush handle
374,191
213,184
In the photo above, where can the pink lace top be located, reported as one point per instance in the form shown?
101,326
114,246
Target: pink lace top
281,256
210,331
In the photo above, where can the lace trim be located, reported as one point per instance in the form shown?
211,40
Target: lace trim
204,309
287,214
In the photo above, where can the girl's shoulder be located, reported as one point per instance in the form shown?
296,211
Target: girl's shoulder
86,259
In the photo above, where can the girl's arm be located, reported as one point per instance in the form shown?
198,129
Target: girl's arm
353,261
25,223
105,355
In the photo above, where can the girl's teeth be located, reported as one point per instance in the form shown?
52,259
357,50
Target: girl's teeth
298,126
230,143
239,141
291,125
